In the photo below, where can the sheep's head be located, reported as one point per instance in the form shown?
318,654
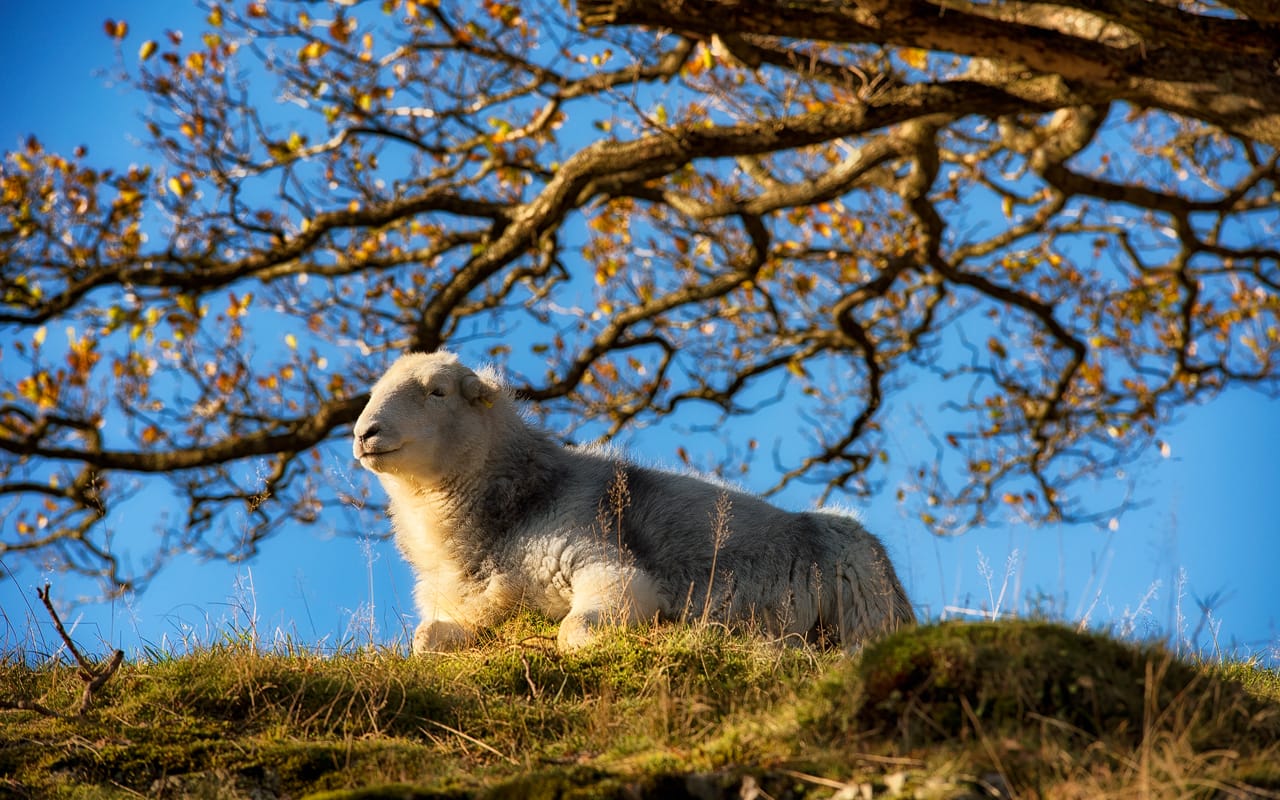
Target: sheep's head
428,418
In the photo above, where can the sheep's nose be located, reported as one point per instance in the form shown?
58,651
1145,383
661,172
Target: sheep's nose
361,438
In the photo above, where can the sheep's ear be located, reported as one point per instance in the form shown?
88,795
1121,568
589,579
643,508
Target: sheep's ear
478,391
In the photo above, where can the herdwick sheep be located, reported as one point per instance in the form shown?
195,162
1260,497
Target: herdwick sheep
493,515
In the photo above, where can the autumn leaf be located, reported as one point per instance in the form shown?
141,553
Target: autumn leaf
340,30
312,51
915,57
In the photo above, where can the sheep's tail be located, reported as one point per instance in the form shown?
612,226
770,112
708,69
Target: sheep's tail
867,600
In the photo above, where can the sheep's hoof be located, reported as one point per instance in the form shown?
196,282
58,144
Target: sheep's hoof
576,632
439,635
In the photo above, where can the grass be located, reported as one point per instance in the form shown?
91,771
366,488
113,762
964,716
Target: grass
1014,708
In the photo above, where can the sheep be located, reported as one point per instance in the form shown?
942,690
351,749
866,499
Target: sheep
493,516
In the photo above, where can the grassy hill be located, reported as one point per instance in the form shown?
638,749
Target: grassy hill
1016,709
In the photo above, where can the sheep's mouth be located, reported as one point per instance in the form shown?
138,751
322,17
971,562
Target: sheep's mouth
377,453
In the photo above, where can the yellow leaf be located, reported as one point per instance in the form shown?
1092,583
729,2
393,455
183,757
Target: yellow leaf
175,186
38,338
312,51
147,50
291,340
915,57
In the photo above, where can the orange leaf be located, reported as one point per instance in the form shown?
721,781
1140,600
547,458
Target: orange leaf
339,31
312,50
915,57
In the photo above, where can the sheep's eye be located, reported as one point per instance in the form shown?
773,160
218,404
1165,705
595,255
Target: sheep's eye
436,392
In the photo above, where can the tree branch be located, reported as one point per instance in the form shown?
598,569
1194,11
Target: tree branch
1220,70
298,434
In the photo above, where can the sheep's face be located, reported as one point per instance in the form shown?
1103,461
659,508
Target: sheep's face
426,419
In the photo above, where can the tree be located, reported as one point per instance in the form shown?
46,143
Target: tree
1060,218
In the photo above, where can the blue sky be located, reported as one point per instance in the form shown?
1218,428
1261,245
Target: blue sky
1208,529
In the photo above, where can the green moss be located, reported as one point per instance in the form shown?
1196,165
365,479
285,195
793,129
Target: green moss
1260,682
390,791
1031,679
576,783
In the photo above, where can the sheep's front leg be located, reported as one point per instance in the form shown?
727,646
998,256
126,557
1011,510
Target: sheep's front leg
451,621
439,635
606,596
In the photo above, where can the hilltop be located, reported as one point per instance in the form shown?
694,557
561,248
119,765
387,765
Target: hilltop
1018,708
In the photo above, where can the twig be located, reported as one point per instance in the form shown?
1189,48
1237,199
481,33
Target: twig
93,678
473,740
27,705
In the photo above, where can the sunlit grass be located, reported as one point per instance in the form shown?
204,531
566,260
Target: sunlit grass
1023,707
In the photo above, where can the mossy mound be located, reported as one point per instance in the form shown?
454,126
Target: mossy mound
960,680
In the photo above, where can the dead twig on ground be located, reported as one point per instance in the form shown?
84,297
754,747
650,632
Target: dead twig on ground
94,677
